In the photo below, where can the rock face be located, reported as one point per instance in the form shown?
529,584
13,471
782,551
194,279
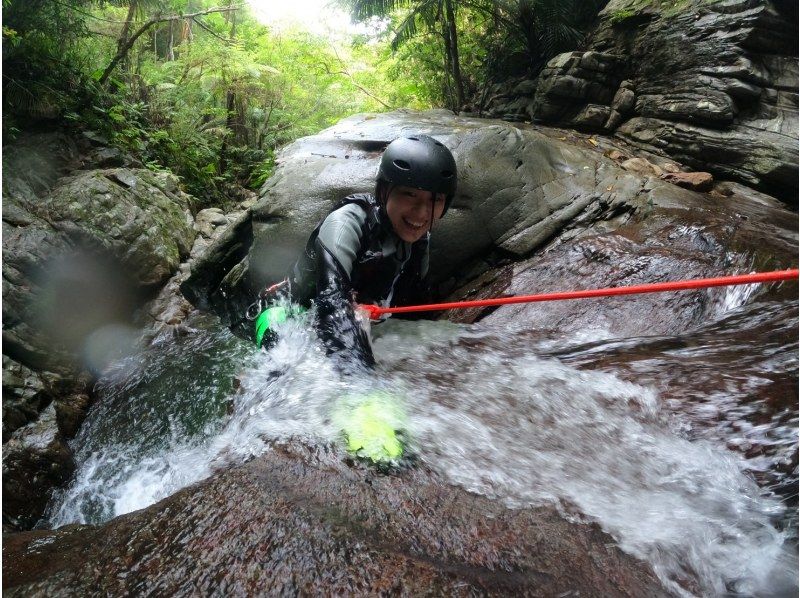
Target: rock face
517,189
301,521
711,84
138,216
80,247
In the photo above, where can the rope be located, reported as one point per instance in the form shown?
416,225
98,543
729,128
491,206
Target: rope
374,312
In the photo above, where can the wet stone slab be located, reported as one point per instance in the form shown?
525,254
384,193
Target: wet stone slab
297,520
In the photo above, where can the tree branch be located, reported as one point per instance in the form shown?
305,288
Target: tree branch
123,50
211,31
352,80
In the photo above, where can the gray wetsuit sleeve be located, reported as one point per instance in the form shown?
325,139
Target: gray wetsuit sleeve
340,233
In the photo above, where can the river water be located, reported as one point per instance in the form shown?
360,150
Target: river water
683,448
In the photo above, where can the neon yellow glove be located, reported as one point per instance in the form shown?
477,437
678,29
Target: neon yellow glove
370,425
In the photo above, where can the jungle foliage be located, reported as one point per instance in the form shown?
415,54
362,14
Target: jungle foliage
204,89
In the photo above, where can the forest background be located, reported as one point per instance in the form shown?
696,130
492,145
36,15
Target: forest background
205,90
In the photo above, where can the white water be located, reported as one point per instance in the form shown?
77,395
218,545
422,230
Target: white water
514,427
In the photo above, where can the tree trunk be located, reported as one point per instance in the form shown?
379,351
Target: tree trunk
123,50
230,106
170,52
453,41
126,28
447,87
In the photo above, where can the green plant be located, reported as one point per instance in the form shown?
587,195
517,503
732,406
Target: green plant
620,16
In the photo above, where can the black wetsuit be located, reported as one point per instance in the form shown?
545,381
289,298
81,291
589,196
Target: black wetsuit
354,256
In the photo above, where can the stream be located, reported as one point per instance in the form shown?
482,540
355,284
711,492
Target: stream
683,448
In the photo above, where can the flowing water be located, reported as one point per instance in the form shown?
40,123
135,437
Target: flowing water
684,449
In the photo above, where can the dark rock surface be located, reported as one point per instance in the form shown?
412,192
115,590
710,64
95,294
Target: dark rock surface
35,460
667,234
711,84
301,521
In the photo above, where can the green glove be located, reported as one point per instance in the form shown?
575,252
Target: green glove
267,319
272,316
370,425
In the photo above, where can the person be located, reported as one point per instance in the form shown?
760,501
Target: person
374,248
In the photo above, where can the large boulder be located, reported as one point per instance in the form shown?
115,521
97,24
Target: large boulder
76,257
36,459
140,217
517,189
300,520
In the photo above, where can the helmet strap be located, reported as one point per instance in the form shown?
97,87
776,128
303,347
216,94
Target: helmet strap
383,189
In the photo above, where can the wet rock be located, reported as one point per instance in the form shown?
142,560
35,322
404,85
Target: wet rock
591,117
723,188
713,85
767,161
40,411
624,98
71,409
617,156
666,233
704,107
641,166
24,395
27,251
96,237
35,460
209,220
577,87
138,216
227,250
78,249
299,520
36,161
517,189
697,181
221,242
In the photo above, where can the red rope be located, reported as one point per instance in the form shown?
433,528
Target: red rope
376,312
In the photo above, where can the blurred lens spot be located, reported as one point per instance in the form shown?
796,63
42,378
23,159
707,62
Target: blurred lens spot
81,293
108,344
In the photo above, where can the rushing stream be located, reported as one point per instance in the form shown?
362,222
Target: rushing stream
684,448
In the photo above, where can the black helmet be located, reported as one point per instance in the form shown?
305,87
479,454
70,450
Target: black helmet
421,162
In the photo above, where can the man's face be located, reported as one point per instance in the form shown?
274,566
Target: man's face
412,211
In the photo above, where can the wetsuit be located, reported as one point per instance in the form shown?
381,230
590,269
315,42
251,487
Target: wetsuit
354,256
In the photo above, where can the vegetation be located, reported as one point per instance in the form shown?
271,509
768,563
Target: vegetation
480,42
620,16
204,89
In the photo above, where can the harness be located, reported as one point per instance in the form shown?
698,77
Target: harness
375,278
